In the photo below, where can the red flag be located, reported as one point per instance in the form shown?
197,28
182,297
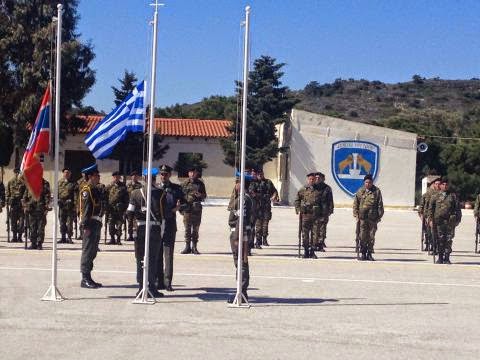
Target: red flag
38,144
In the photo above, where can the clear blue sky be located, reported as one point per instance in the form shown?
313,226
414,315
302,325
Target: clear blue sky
199,42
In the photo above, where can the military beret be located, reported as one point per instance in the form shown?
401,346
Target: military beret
193,168
248,176
320,174
438,178
92,169
154,171
368,177
444,180
116,173
134,173
165,169
66,169
16,170
311,174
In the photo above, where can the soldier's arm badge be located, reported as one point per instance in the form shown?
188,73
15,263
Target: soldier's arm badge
84,194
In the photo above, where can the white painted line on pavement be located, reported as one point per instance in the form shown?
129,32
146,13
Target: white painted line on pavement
309,279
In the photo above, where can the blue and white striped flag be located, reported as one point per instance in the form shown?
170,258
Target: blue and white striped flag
129,116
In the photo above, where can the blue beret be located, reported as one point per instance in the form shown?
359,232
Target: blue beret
154,171
90,169
248,176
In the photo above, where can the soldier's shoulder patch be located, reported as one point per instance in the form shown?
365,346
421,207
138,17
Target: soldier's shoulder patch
84,194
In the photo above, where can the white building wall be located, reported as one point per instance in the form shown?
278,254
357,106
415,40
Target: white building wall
311,139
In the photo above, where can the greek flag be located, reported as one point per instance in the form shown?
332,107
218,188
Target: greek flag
129,116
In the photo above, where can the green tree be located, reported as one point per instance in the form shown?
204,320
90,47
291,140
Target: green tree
128,83
269,104
188,160
26,31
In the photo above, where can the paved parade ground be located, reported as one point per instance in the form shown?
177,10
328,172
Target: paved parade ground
398,307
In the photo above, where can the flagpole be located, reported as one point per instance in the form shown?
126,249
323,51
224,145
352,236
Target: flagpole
53,294
240,299
145,296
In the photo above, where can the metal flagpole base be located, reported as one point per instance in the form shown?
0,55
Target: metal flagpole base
144,297
240,301
53,294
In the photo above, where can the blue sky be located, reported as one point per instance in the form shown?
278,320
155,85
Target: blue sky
199,42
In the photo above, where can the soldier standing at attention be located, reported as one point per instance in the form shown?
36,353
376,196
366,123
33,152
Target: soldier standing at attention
91,222
133,184
67,190
233,223
37,211
195,193
80,182
307,198
323,212
14,195
137,208
117,202
174,201
433,188
264,193
444,215
368,210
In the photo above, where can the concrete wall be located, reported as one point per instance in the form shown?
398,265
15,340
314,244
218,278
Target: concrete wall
311,137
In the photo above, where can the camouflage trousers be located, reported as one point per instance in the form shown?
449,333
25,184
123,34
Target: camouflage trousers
261,223
368,229
131,226
191,221
115,224
320,230
37,223
445,231
66,217
307,224
17,219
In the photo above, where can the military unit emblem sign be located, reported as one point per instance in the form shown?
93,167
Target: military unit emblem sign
351,161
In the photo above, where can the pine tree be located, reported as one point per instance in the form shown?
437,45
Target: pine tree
269,104
128,83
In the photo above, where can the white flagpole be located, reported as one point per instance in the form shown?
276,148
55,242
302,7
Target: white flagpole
240,300
144,296
53,294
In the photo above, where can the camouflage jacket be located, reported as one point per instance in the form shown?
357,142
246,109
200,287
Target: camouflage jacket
307,200
133,185
15,190
424,203
444,206
262,191
195,193
248,210
42,204
324,200
67,191
117,196
368,204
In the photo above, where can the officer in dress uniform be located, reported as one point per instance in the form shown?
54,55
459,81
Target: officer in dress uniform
91,222
137,209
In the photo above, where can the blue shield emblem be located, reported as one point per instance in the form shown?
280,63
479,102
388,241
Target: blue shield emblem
351,161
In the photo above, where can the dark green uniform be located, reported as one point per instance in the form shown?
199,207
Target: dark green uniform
233,222
36,211
368,209
306,204
195,193
80,183
132,185
14,195
445,212
422,211
91,223
67,191
323,209
137,208
262,191
117,202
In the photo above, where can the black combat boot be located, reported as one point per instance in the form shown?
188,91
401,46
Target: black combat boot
446,259
364,256
19,238
63,240
306,252
130,238
258,243
69,240
312,254
14,238
440,259
39,246
98,285
118,240
194,249
369,256
33,246
265,242
112,241
87,282
187,249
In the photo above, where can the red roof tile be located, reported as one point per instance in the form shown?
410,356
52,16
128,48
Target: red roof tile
175,127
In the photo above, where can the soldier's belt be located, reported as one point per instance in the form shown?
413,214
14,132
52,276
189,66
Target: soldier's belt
248,227
98,218
140,223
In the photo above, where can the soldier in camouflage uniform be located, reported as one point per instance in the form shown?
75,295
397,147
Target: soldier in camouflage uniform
264,192
433,187
368,210
444,214
67,196
306,204
14,195
117,202
80,183
195,192
324,210
133,184
37,210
